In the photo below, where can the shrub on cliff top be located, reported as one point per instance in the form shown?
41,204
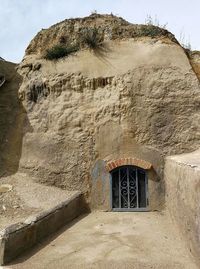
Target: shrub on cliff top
59,51
91,38
150,30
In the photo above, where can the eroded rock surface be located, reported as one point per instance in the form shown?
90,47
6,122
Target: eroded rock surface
11,118
109,28
137,95
194,57
133,97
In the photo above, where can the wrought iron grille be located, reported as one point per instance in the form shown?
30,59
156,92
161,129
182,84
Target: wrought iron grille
129,189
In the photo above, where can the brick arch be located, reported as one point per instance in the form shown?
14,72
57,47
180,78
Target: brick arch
128,161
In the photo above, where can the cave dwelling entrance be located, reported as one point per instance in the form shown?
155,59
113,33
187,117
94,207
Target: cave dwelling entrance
129,189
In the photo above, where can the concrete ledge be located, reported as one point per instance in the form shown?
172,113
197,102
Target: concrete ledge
17,238
182,179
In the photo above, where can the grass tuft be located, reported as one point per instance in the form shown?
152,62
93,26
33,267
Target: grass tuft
60,51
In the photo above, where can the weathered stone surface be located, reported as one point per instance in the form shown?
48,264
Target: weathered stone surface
2,79
5,188
135,97
194,57
148,107
109,28
11,119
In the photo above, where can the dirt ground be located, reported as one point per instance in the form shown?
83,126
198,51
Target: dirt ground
112,240
26,198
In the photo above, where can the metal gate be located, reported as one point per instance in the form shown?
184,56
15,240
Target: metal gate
129,189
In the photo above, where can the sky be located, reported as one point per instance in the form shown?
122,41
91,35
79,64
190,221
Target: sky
20,20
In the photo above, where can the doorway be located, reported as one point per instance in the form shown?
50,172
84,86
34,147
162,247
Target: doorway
129,189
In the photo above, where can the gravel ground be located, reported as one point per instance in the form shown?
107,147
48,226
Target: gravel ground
27,198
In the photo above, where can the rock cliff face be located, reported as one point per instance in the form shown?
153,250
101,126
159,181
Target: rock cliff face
194,57
109,28
11,119
136,96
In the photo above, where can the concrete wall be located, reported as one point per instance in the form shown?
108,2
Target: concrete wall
182,177
17,238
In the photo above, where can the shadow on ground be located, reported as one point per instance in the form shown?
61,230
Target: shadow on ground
12,119
31,252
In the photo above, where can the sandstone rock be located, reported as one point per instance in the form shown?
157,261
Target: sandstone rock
109,28
5,188
138,98
11,119
2,79
194,57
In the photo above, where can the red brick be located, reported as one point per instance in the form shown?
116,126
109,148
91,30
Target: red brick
113,165
128,161
110,166
133,161
123,161
136,161
117,162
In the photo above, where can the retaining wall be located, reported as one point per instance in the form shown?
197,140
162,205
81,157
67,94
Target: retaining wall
17,238
182,178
